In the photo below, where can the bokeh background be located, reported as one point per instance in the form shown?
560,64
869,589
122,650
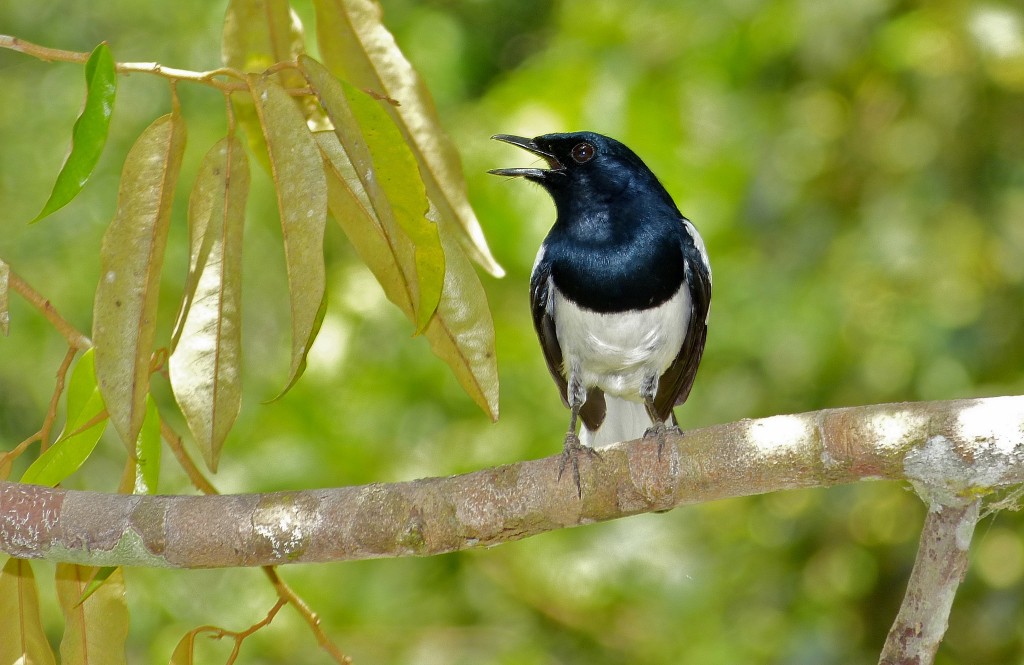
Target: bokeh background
857,171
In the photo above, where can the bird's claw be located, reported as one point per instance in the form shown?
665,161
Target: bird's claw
658,432
571,456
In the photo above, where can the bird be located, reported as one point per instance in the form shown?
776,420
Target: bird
620,292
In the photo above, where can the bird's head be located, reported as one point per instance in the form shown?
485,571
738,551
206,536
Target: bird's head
581,166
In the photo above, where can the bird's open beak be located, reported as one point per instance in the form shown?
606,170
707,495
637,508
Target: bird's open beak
531,145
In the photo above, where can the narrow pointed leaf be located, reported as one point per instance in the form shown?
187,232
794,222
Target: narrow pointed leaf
258,34
96,630
22,639
302,202
184,653
386,251
5,314
205,365
462,331
131,257
84,426
387,170
147,451
97,580
356,46
90,131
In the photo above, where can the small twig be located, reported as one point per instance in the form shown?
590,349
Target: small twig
940,566
76,339
177,447
209,78
51,412
285,593
218,633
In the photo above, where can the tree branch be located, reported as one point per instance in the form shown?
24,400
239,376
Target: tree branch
962,448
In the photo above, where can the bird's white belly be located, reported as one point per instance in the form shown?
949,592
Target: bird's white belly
618,351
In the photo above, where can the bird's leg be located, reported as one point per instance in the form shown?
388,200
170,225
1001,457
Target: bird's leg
648,390
572,448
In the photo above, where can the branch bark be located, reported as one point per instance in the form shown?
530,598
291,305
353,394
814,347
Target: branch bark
962,448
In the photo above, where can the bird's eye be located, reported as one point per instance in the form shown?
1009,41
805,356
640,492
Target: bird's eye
583,152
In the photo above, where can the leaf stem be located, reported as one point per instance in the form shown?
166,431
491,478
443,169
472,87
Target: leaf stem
47,54
75,338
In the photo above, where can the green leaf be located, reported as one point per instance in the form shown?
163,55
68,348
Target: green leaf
97,580
84,426
5,314
302,202
147,451
22,639
388,172
90,131
131,257
96,630
205,364
356,46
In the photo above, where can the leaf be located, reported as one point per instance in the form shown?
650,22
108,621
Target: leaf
388,172
131,257
84,426
147,451
184,652
302,202
96,582
89,133
462,331
205,365
96,630
5,314
356,46
22,639
258,34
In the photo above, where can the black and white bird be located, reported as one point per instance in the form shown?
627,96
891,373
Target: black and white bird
620,291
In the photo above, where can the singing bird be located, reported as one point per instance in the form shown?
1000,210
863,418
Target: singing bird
620,291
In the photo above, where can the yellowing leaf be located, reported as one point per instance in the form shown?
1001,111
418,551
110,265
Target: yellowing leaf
386,251
302,202
84,426
205,365
90,132
131,257
22,639
95,631
5,314
356,46
387,171
258,34
462,331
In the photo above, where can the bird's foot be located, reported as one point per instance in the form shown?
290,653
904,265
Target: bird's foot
571,457
658,431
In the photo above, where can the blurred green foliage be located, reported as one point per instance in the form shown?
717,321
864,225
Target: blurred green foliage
856,170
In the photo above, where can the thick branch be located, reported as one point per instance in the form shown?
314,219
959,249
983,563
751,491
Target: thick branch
938,570
958,448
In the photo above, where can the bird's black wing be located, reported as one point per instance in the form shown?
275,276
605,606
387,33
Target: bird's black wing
674,385
544,324
594,409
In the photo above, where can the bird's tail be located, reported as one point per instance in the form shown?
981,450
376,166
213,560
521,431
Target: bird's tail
624,420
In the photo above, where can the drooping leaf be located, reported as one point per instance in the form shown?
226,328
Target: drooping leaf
386,251
258,34
205,364
388,172
131,257
147,451
84,426
461,332
184,652
302,202
5,314
22,639
356,46
89,134
96,630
